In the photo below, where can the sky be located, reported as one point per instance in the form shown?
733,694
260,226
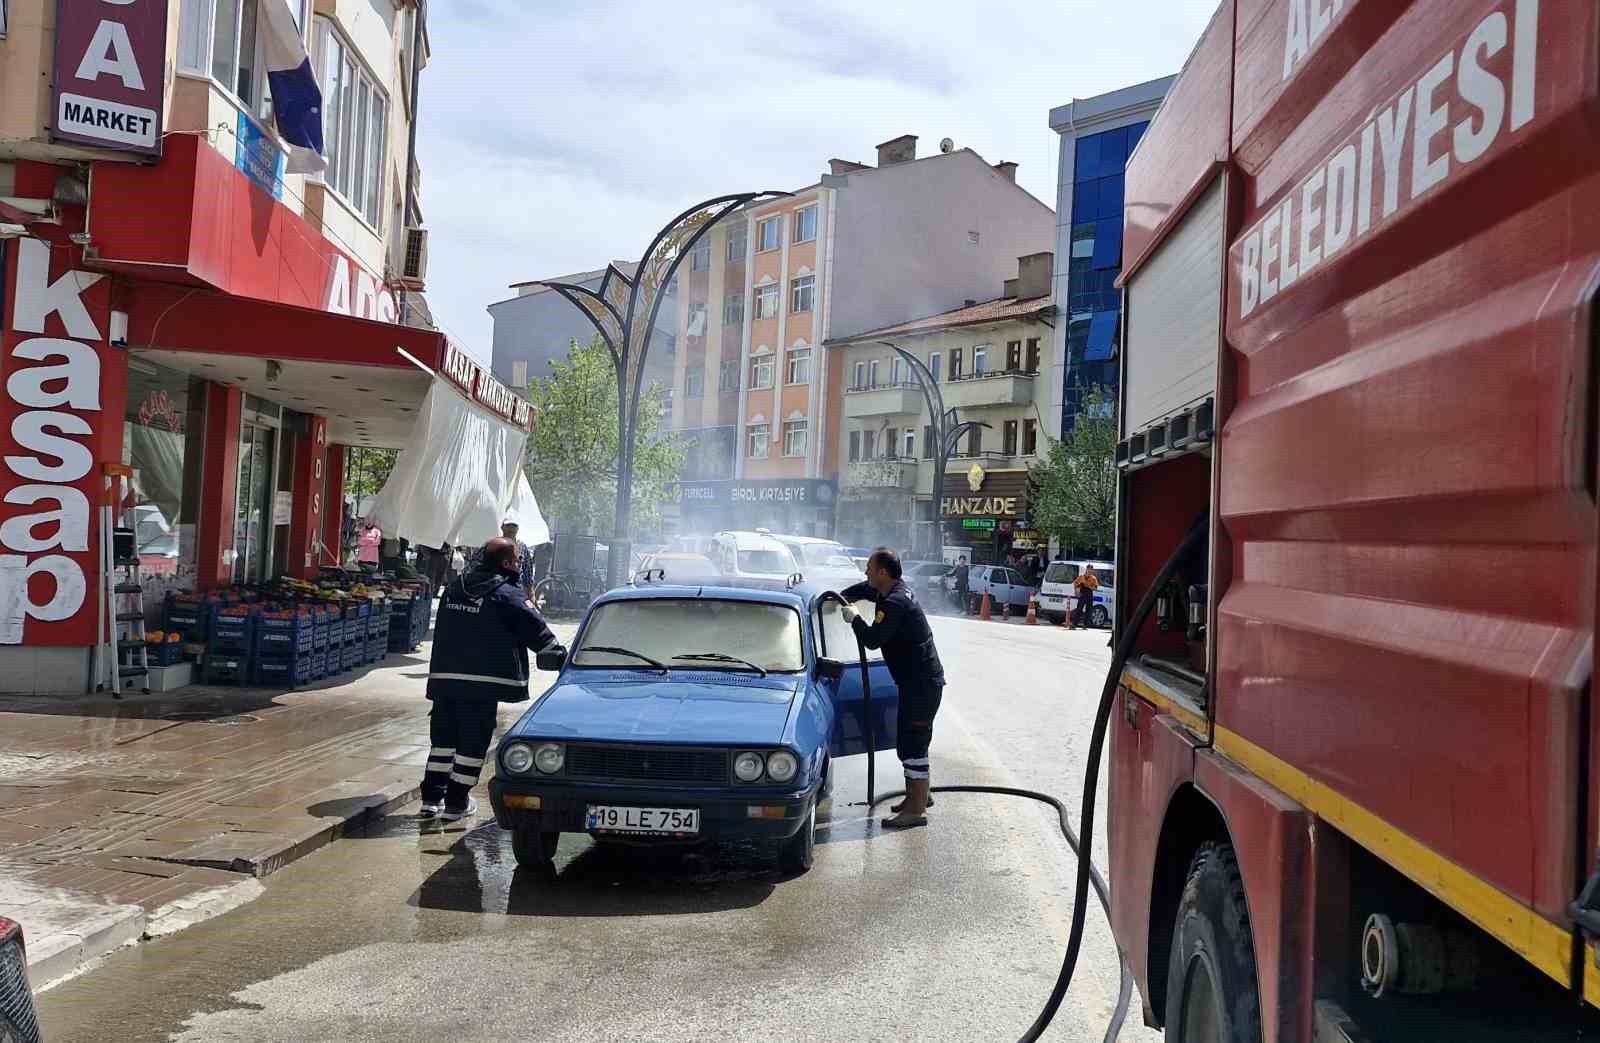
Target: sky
556,137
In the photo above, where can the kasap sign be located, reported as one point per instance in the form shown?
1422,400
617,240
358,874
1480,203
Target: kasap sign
109,73
50,423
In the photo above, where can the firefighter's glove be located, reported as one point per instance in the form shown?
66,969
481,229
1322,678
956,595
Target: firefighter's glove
849,613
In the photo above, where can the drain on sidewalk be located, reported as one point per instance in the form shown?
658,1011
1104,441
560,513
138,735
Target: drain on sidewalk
202,717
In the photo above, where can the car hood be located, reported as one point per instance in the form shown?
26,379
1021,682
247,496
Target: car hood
690,706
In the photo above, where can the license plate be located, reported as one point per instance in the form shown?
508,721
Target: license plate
1051,598
606,818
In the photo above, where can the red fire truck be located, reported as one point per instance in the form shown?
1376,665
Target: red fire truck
1353,777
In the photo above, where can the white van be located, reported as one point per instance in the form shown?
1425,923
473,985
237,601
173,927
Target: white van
742,554
1057,599
822,560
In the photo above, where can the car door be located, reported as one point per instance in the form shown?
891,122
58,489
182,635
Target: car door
837,640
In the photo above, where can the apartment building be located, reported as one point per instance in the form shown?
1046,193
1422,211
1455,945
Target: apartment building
864,247
1097,135
226,326
991,362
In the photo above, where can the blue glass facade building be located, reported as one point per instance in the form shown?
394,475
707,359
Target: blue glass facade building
1093,304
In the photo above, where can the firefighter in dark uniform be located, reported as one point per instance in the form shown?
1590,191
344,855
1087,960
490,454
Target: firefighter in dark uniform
900,628
481,637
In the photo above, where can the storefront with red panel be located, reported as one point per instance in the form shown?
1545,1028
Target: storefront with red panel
190,348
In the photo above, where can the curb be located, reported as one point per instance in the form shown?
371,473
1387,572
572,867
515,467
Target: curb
66,952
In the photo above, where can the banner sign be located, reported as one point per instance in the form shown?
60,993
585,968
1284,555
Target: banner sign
480,385
110,69
815,492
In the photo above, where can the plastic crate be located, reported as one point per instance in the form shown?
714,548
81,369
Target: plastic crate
377,649
350,658
284,672
165,653
231,633
284,638
226,669
185,614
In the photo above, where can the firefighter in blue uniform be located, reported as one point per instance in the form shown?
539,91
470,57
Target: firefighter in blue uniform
900,628
481,637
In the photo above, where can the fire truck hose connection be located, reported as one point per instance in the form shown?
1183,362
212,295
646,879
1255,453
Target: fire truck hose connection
1081,842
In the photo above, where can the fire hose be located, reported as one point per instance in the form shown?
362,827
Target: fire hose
1079,842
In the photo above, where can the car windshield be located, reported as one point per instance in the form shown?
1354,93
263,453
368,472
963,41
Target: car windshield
821,553
660,628
1107,577
1060,572
772,562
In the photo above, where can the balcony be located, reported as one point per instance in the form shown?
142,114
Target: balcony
883,399
996,388
989,459
880,475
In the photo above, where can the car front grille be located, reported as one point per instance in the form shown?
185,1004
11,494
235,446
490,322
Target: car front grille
646,764
16,1001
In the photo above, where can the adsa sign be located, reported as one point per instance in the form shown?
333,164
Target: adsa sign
109,73
51,423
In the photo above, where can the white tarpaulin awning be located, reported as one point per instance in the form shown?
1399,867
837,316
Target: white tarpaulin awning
458,477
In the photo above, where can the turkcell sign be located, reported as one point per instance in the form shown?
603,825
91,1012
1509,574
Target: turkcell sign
110,65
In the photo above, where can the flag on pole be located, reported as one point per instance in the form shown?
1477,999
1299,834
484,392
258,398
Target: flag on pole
296,98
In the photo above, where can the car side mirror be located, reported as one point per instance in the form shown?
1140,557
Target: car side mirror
551,659
829,669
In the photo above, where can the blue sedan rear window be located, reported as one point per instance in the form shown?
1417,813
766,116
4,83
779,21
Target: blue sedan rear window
661,628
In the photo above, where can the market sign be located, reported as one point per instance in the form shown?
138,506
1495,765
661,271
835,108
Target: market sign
813,492
976,493
480,385
52,353
978,523
110,69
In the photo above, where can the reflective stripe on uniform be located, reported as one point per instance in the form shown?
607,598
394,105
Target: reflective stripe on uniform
442,751
439,766
481,678
465,780
469,762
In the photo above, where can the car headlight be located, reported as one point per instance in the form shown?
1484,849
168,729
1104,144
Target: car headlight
782,765
518,757
747,767
550,757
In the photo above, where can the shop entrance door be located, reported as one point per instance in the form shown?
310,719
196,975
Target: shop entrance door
252,532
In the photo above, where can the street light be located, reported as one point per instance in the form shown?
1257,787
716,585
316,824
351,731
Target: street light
623,311
948,429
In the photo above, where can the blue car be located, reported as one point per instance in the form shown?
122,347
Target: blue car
691,714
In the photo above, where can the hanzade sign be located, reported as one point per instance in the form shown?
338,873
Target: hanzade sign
52,354
109,73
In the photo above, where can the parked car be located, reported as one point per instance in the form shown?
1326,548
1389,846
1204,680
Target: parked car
1003,584
927,579
684,715
18,1022
1057,598
677,569
744,554
824,561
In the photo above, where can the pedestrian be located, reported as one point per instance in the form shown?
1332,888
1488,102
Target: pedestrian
900,628
1084,586
481,637
963,585
368,543
508,531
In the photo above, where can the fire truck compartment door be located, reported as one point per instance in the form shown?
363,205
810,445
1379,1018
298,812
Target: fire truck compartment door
1173,321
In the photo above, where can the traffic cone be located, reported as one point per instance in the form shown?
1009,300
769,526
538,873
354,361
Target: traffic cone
983,609
1033,612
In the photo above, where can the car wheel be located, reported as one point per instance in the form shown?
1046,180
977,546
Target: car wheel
1099,617
798,851
535,849
1212,994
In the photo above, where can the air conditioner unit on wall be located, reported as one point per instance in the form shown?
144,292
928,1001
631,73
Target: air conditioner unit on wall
416,259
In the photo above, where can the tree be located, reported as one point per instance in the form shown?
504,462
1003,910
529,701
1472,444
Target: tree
572,456
368,469
1077,482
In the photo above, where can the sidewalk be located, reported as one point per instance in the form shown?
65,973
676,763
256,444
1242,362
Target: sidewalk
131,819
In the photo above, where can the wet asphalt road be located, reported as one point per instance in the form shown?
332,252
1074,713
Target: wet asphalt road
423,932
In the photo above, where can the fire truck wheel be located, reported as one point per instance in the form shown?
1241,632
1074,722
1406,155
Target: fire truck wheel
1212,995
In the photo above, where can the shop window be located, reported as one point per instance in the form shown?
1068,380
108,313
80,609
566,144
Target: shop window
355,125
760,436
794,437
162,437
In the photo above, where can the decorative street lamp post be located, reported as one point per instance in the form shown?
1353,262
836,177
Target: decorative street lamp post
624,311
948,429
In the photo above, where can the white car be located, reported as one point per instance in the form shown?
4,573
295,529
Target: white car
1057,599
742,554
822,560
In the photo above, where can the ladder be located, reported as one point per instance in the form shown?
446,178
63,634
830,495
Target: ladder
121,652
